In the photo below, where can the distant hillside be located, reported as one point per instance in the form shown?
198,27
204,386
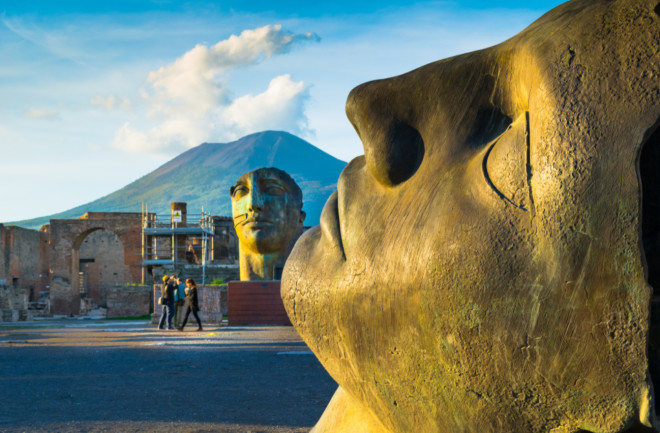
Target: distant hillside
202,176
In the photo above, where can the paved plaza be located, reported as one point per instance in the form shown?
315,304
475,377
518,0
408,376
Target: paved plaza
72,375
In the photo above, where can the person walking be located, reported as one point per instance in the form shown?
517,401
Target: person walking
179,301
167,301
193,304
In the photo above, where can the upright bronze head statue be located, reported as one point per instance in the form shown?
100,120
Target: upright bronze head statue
482,267
267,210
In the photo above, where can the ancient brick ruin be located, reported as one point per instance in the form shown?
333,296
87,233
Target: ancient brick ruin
112,236
24,258
100,261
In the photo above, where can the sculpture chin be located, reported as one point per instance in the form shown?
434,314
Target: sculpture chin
346,414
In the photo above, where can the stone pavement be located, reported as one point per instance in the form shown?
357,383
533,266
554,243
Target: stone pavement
116,376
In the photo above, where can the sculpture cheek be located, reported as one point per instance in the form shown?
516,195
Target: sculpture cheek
393,148
240,206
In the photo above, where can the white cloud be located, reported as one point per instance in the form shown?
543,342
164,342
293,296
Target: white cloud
42,114
190,98
171,136
105,102
111,102
281,106
132,140
126,105
193,81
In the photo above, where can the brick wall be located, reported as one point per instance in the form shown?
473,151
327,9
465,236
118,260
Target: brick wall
22,261
256,303
14,304
108,268
128,301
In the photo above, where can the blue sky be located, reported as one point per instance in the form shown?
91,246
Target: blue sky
97,94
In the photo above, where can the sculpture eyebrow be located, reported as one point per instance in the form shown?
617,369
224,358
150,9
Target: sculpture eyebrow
272,179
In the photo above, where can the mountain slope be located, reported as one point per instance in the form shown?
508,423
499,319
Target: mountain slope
202,176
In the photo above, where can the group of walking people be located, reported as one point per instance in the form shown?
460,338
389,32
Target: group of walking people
174,295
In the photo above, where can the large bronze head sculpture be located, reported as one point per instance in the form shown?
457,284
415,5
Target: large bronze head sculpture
268,217
482,267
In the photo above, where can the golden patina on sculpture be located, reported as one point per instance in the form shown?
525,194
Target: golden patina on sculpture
268,217
484,267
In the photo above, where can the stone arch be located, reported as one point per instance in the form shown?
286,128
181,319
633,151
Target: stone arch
122,232
75,257
98,259
82,236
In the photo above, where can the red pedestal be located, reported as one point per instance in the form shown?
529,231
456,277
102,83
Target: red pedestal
255,303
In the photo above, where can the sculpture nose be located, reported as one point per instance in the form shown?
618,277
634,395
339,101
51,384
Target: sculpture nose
256,201
393,148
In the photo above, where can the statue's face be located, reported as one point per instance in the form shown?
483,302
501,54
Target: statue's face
266,214
480,267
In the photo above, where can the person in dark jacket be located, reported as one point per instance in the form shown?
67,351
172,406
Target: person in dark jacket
193,304
167,295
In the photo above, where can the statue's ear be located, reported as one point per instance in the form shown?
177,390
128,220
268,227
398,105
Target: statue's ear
302,216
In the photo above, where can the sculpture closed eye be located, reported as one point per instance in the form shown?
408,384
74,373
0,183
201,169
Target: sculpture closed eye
239,191
505,165
272,187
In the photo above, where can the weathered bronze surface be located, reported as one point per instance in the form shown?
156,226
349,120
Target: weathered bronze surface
482,267
267,209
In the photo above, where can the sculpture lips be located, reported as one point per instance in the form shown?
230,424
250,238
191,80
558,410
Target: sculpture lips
257,222
330,223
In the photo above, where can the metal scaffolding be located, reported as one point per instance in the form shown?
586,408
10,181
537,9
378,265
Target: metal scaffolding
168,240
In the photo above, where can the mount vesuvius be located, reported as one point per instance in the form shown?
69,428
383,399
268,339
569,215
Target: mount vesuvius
202,176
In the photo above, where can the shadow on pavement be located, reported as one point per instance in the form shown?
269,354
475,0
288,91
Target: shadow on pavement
237,379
